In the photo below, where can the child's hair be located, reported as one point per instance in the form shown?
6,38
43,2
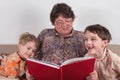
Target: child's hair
100,30
27,37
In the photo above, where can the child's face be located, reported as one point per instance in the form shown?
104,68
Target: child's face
28,50
94,44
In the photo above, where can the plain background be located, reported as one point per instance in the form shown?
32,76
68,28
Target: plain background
19,16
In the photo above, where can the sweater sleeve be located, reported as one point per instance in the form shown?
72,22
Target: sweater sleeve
116,66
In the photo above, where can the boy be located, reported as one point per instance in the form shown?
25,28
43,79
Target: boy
13,66
107,63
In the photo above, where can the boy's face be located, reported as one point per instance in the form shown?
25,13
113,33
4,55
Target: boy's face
28,50
94,44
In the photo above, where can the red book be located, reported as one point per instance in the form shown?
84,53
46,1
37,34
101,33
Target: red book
73,69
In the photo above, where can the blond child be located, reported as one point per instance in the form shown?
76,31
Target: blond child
107,63
13,66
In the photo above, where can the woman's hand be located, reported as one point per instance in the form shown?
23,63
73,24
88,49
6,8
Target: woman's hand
93,76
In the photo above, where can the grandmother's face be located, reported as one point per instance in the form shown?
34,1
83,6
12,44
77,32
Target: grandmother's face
63,25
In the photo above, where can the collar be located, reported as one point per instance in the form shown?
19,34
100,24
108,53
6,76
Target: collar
20,56
102,56
72,32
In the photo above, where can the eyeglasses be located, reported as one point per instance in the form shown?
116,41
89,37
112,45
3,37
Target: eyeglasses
62,22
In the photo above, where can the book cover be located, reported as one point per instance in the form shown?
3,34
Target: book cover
73,69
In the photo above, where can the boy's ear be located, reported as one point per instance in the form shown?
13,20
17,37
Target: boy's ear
19,46
105,43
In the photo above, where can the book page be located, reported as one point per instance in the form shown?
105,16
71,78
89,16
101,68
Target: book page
75,60
43,62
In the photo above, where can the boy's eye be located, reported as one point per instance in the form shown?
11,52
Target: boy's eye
85,39
93,39
34,51
28,48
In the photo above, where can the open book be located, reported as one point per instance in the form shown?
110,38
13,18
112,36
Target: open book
73,69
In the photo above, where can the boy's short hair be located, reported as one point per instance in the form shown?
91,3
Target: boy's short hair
27,37
100,30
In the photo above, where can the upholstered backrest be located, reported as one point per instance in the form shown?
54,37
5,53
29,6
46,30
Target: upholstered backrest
13,47
8,48
115,49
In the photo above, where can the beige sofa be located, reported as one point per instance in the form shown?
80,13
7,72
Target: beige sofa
115,49
13,47
5,48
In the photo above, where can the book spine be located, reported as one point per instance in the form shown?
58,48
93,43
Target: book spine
60,74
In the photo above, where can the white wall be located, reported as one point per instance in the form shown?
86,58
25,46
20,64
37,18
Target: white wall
18,16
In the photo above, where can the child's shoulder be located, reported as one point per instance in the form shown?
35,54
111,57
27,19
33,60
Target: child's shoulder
113,55
13,56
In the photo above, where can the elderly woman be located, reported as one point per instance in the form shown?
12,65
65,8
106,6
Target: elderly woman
62,42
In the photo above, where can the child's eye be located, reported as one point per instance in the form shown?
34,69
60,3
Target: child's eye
28,48
93,39
34,51
85,39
